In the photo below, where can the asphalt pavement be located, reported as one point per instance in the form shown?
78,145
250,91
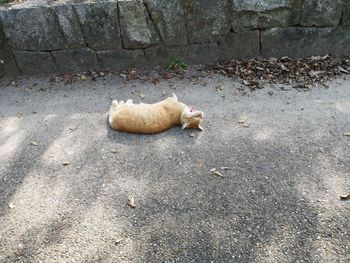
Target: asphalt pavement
282,157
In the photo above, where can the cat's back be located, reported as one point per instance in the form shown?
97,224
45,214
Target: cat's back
142,118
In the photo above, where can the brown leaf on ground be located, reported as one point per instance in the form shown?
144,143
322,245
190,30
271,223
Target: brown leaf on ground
66,163
131,201
220,87
345,196
200,163
216,173
34,143
118,241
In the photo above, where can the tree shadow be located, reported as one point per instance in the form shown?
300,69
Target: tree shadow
264,209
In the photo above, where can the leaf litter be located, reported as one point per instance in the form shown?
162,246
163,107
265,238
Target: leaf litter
299,73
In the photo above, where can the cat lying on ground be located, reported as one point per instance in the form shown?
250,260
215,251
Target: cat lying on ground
153,118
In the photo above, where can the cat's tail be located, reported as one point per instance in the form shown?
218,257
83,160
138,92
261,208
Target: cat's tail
112,109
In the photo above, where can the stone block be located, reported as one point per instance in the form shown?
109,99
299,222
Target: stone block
346,13
99,22
304,42
206,20
32,28
34,62
202,53
259,14
7,61
75,60
321,12
168,17
69,25
137,29
240,45
120,59
163,55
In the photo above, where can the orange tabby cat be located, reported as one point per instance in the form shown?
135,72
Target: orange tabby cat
153,118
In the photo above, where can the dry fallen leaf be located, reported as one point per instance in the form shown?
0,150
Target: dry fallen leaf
220,87
118,241
341,69
113,151
131,201
346,133
34,143
142,96
200,163
11,205
246,125
66,163
345,196
246,82
241,121
192,134
217,173
83,77
224,168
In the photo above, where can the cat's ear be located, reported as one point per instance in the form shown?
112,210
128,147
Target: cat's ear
200,127
184,126
175,97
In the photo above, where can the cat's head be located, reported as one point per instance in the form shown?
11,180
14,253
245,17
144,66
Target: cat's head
192,119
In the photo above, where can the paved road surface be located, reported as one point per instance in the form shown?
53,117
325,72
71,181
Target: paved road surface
279,202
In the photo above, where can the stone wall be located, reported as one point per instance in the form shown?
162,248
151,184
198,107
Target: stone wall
64,36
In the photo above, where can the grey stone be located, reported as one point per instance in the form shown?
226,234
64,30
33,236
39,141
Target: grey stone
120,59
34,62
257,14
137,29
240,45
346,13
30,4
7,61
74,60
320,12
202,53
168,17
206,20
99,22
303,42
69,25
33,28
163,55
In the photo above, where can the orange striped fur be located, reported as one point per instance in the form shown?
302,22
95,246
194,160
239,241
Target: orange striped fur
153,118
